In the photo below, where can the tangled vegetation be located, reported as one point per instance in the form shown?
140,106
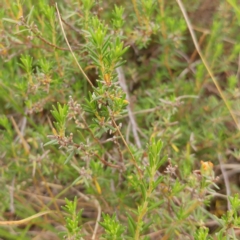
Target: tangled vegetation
119,119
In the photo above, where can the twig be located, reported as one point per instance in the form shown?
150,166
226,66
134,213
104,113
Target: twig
206,63
11,190
65,37
24,122
122,81
100,144
97,205
206,31
231,166
119,150
36,34
24,142
49,43
126,145
186,70
144,111
226,180
107,163
215,194
72,27
23,126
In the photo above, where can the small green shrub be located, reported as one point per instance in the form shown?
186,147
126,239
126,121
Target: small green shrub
114,125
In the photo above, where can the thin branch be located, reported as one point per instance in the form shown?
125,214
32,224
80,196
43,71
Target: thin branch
107,163
23,141
11,193
97,205
226,180
100,144
49,43
72,27
206,31
126,145
122,81
36,34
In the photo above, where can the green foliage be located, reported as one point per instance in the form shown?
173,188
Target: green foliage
73,221
146,147
60,115
202,234
113,228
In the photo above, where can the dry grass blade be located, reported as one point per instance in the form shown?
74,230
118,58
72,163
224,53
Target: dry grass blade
206,63
24,142
65,37
23,221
